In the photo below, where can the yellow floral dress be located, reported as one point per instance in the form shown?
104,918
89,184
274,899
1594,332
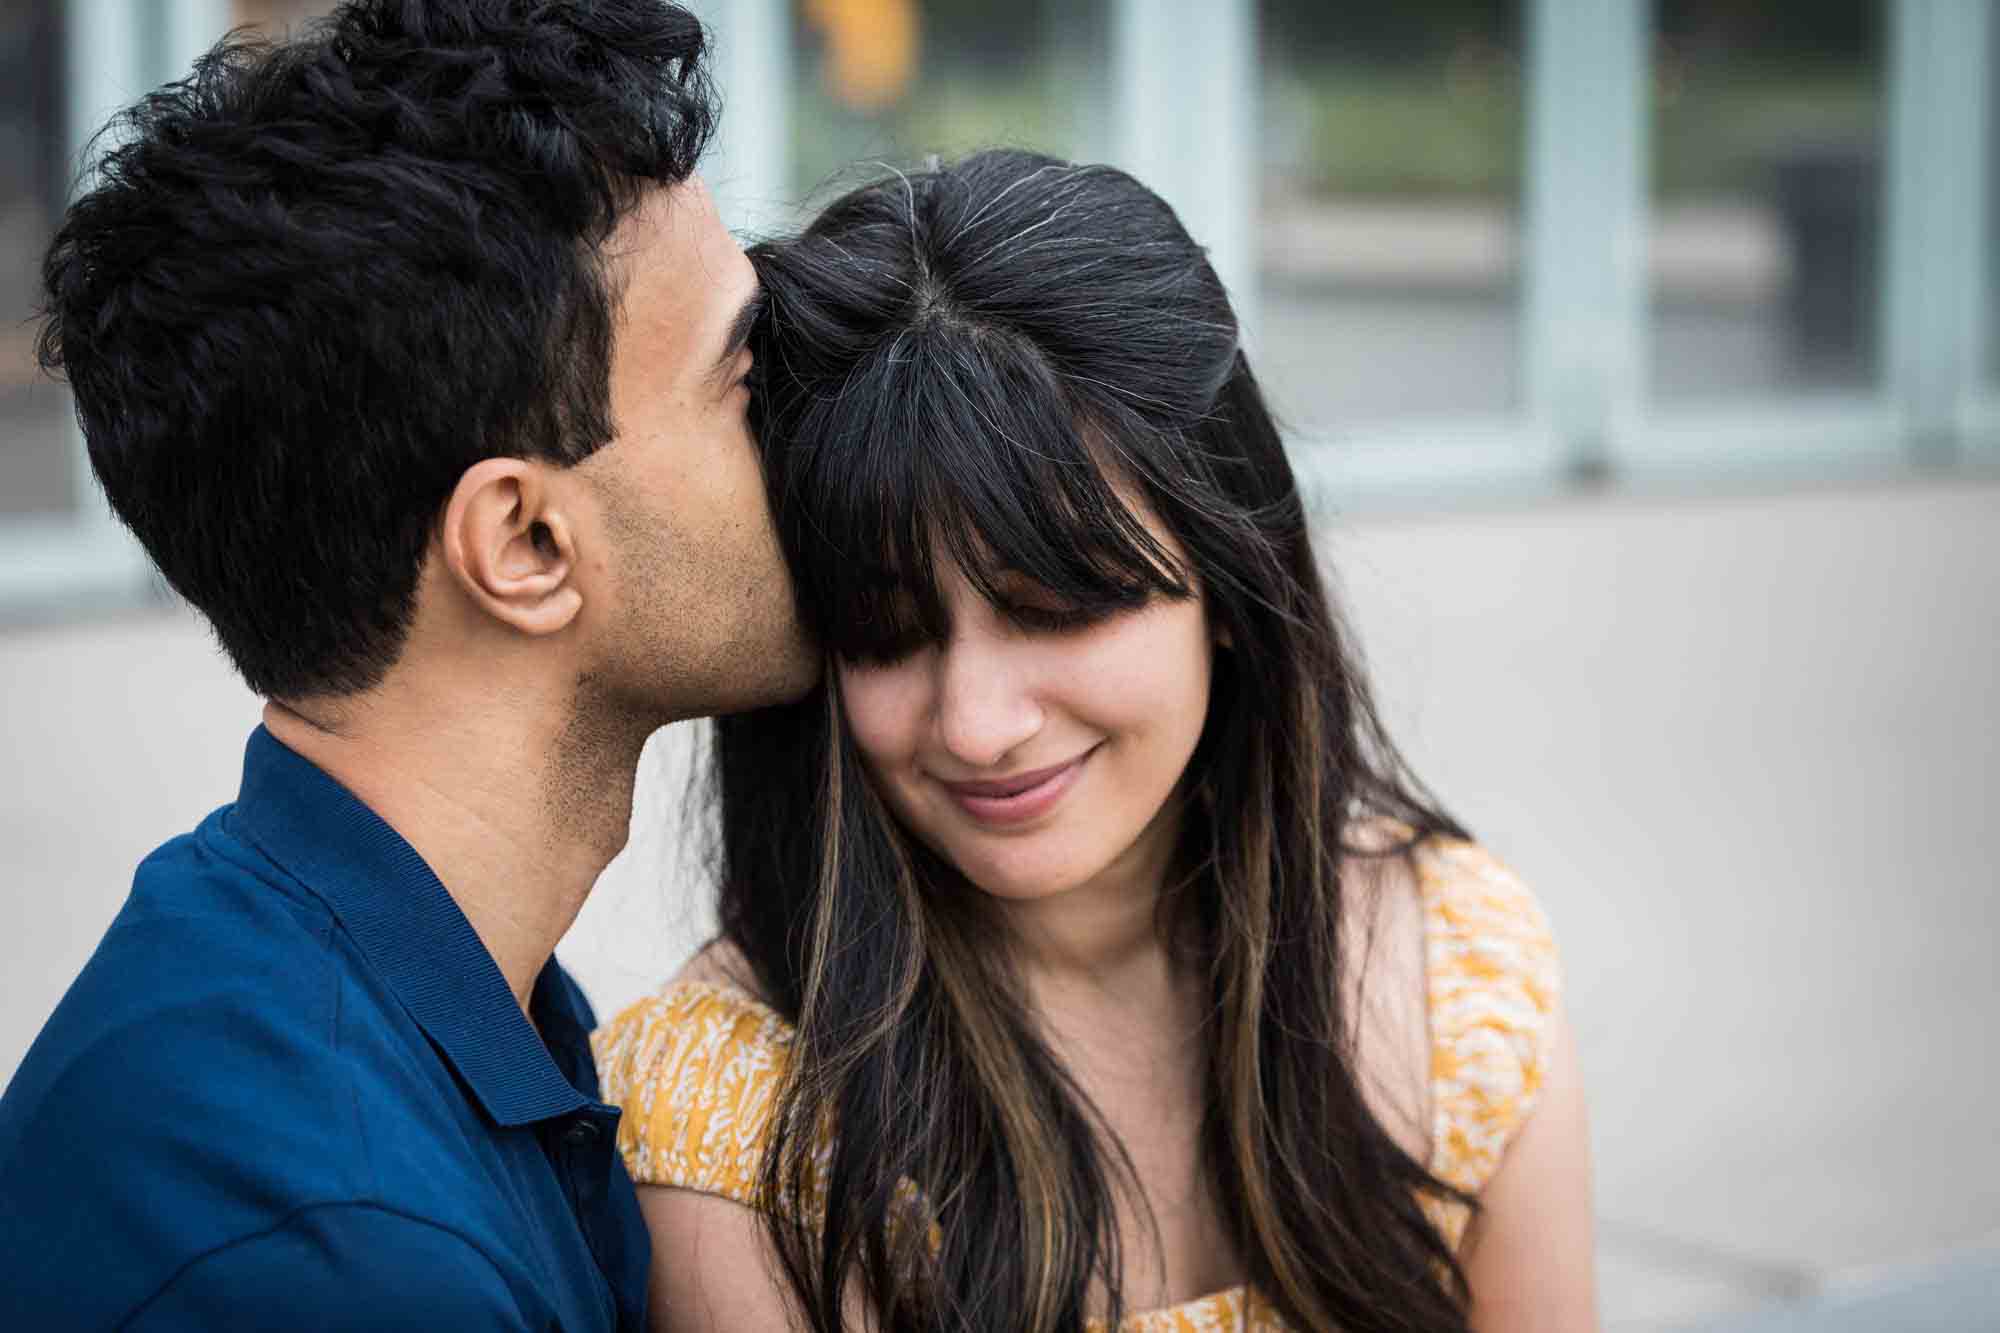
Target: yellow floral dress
696,1066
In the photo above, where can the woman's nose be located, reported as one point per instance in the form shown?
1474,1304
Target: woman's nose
986,703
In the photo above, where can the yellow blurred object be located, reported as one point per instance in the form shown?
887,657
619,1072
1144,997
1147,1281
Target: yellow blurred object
871,49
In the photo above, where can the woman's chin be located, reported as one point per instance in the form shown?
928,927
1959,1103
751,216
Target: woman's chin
1022,879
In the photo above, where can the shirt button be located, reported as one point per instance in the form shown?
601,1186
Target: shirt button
581,1133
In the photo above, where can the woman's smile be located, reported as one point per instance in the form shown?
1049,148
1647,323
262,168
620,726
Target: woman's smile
1020,799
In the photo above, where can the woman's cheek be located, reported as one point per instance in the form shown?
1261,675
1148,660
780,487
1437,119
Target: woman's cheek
1155,659
881,704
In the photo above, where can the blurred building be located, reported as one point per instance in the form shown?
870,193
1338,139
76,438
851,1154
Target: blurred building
1646,358
1481,245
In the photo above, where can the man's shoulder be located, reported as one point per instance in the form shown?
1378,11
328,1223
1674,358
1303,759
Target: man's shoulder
211,953
207,1072
216,869
209,1010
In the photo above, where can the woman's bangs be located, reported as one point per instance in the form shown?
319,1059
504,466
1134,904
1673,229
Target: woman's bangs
972,460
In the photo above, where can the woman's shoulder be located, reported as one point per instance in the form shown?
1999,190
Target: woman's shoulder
695,1068
1493,982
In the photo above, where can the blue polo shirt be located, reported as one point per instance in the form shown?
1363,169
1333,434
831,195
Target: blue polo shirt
292,1090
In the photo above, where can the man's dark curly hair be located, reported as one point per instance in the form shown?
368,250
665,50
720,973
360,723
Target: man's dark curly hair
314,282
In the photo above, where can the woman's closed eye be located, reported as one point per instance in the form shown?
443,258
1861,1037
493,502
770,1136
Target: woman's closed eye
893,630
1052,618
890,649
1042,612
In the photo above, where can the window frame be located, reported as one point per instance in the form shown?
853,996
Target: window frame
748,167
1575,344
1190,129
1587,413
1952,52
1928,404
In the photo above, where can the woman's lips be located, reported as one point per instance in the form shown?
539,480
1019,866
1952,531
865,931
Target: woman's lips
1020,798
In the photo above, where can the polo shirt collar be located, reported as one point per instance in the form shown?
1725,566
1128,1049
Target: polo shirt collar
402,919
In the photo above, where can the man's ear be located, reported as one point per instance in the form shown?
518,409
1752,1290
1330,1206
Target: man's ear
509,546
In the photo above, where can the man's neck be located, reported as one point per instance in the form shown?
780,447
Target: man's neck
516,807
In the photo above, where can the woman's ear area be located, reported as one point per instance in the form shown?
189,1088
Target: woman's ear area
1220,635
1219,632
509,544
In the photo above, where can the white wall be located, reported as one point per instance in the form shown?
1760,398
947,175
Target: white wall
1747,750
1745,747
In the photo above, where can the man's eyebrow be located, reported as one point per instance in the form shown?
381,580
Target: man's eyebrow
739,331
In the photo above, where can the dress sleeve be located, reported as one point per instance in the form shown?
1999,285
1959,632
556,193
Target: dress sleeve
1494,979
695,1071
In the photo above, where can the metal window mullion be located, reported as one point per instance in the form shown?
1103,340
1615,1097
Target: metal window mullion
188,28
1183,76
1979,395
117,51
750,165
1934,263
103,65
1584,222
52,562
103,70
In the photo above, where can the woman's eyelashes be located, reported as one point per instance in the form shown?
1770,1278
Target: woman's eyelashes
1048,617
885,650
1039,616
894,631
1038,609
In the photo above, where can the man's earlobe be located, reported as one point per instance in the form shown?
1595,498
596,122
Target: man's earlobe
510,548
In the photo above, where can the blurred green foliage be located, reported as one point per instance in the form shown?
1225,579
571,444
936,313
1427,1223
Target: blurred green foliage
1394,131
1423,131
1723,132
1425,98
1028,74
948,113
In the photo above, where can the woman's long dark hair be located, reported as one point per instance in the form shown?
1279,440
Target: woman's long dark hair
967,364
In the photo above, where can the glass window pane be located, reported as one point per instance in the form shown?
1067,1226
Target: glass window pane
1389,257
890,81
36,470
1767,187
